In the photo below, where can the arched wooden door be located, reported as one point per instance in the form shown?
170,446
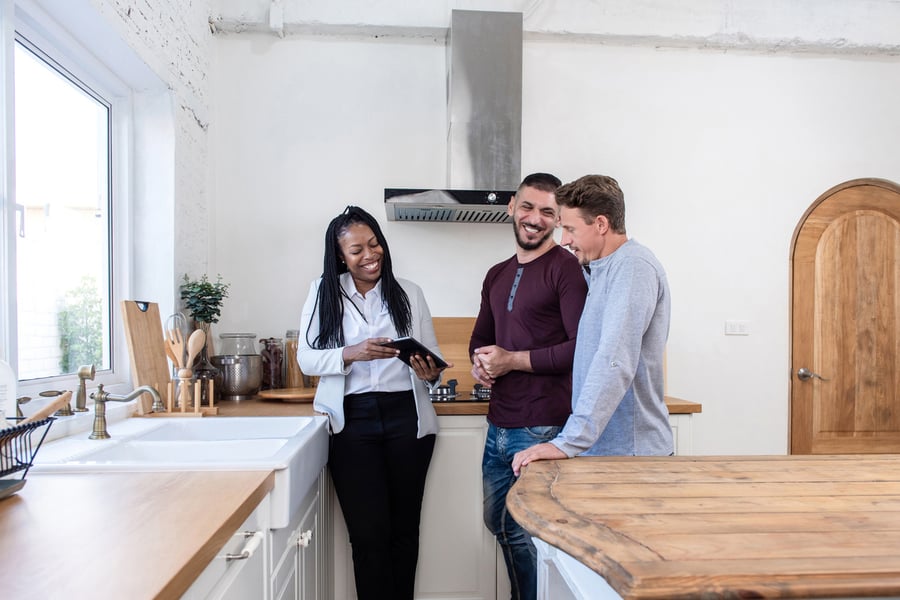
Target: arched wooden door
845,314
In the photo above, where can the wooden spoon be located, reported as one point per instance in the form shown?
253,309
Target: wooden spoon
195,345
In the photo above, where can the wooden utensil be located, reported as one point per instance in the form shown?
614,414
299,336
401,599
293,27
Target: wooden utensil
144,335
51,408
195,345
171,354
184,388
175,340
289,394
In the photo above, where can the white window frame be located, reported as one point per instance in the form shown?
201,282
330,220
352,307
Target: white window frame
35,24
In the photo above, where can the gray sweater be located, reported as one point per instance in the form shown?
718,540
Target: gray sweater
617,378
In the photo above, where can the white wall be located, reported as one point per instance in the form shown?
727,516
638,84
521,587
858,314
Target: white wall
722,119
719,154
172,39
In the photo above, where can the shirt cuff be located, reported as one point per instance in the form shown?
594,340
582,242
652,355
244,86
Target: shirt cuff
566,448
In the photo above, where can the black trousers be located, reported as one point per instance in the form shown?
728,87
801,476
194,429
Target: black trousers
378,468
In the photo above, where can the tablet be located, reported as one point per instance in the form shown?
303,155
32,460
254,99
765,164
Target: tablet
409,346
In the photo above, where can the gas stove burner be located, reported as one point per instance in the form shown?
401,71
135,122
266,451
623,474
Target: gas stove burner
444,393
481,393
442,397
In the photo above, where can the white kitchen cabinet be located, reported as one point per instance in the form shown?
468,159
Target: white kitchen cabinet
240,568
457,555
458,558
682,433
298,567
561,577
308,538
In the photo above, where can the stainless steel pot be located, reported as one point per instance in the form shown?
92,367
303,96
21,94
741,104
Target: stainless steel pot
241,375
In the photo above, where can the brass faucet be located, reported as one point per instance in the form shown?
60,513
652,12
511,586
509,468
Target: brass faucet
19,402
101,397
65,411
84,373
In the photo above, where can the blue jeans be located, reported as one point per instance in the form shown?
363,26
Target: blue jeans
497,478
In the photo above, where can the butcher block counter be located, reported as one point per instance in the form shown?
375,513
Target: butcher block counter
120,535
301,404
722,527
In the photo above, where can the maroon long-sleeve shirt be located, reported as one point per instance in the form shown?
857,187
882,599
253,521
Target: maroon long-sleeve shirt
541,315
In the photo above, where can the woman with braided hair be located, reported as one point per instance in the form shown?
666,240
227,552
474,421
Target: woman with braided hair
382,422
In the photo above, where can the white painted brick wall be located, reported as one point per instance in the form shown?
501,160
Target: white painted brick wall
174,39
173,36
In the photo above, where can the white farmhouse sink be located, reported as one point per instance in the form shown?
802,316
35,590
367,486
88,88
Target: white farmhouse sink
139,452
231,428
296,448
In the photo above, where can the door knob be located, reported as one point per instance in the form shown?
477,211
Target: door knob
803,374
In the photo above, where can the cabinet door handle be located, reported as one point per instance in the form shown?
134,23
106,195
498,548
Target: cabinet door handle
254,538
305,538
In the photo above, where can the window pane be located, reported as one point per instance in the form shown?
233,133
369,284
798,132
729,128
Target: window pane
62,221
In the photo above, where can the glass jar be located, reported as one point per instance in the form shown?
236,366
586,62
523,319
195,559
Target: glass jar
238,343
293,376
272,363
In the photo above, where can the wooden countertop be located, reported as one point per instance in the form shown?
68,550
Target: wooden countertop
120,535
714,527
275,408
137,535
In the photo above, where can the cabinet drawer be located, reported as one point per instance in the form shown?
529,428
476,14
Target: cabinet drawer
250,538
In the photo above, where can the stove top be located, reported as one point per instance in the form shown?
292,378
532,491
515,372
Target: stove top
443,395
448,393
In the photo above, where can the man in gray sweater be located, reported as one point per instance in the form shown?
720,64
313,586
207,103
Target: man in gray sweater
617,378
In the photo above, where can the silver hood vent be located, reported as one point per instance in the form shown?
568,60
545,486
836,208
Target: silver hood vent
484,136
452,206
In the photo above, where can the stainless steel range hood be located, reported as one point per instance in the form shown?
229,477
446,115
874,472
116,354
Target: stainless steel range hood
451,206
484,135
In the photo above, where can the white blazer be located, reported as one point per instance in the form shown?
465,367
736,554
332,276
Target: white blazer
329,364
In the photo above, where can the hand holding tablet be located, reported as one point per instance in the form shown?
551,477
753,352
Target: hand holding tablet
409,346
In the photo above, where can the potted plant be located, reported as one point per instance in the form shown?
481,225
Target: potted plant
203,300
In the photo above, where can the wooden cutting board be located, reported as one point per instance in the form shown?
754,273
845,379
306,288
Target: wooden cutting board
144,335
289,394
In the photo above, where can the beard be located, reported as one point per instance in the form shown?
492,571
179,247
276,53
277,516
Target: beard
525,244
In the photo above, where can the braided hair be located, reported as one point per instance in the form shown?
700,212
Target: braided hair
329,299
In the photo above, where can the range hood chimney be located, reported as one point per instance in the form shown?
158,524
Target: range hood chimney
484,136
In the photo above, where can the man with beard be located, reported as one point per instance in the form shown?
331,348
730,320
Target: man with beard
522,347
618,403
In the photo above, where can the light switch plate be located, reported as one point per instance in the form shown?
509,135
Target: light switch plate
733,327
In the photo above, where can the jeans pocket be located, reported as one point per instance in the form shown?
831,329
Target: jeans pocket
543,433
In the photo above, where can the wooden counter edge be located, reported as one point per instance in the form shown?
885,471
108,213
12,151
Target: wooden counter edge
261,407
179,584
678,406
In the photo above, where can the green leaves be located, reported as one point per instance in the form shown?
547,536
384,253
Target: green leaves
203,298
80,324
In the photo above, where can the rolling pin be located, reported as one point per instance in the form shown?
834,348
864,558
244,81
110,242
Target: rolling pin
51,408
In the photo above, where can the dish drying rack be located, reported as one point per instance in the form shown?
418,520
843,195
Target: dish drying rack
17,451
